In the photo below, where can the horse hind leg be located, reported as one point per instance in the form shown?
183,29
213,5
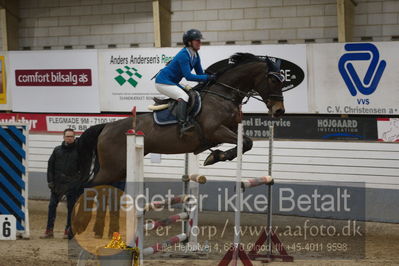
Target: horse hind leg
103,177
83,208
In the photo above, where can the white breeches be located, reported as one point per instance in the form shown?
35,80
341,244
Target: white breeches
172,91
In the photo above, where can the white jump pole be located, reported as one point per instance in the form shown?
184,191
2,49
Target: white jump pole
191,184
134,188
269,194
193,204
185,190
237,211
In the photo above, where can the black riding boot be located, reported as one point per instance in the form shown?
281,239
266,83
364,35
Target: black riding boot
181,114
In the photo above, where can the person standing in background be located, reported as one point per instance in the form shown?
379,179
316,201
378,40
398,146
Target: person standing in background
62,177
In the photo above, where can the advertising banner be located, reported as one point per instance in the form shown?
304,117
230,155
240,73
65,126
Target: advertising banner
54,81
296,127
255,126
355,78
56,123
125,77
388,129
125,74
293,68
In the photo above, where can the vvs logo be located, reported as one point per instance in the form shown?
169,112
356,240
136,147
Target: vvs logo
361,52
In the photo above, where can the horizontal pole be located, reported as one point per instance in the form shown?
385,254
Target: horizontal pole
167,221
254,182
200,179
158,204
167,243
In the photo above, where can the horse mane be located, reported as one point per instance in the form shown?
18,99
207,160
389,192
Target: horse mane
233,61
243,58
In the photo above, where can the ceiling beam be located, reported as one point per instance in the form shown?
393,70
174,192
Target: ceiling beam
345,17
162,22
9,24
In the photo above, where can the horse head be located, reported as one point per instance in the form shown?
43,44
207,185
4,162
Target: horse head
260,74
269,86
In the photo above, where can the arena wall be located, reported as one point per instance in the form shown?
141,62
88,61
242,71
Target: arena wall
67,24
102,24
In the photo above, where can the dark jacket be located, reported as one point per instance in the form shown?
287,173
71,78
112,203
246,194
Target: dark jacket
63,170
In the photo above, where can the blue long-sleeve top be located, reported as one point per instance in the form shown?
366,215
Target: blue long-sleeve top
181,66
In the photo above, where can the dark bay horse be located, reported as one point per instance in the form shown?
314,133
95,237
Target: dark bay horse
245,75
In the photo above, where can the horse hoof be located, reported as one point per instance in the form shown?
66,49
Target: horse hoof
214,157
209,160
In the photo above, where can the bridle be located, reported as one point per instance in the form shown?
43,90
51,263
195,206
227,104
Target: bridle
250,94
240,93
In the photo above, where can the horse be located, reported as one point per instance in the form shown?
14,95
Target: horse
240,76
244,75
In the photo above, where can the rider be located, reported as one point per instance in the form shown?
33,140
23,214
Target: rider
167,80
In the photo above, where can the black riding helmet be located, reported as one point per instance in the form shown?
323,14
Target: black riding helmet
191,35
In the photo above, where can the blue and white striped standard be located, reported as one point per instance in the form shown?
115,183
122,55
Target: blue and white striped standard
13,174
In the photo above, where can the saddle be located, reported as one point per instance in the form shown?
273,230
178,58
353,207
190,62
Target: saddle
161,104
165,109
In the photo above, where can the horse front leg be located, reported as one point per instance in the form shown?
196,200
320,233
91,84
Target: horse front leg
225,135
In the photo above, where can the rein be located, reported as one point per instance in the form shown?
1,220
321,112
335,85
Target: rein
233,99
249,94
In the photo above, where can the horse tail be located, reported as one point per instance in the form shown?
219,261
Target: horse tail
87,149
